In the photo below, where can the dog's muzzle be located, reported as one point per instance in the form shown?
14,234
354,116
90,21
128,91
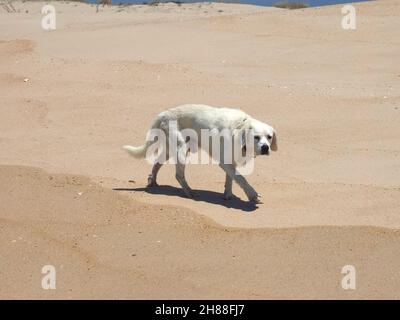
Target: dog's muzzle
265,149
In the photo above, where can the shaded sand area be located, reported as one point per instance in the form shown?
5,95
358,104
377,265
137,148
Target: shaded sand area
70,98
105,245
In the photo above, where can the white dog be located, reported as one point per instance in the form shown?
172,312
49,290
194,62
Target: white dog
201,117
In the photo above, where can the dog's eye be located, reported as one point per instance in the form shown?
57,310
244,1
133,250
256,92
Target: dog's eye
269,137
257,138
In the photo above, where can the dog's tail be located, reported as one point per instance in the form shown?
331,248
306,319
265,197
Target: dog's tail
140,152
137,152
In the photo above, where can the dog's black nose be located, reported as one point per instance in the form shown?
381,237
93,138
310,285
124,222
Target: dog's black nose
264,149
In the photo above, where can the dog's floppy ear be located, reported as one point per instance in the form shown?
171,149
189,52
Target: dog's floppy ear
240,128
274,143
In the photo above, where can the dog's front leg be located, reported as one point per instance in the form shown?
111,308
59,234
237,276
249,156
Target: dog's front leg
228,188
242,182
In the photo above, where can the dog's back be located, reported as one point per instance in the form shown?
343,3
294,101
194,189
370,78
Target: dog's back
200,116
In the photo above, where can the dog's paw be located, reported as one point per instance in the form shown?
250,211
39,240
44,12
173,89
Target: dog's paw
228,196
151,182
190,194
255,198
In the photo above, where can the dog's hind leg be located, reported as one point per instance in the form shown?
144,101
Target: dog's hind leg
180,169
228,188
152,180
163,158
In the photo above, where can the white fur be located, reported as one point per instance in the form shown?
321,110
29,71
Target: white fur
198,117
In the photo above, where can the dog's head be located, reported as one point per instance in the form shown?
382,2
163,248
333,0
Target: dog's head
264,137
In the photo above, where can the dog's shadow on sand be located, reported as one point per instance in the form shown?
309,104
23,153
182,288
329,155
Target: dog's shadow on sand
201,195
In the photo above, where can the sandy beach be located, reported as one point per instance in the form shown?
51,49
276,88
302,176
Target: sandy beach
71,198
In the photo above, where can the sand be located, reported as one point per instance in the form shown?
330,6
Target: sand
70,98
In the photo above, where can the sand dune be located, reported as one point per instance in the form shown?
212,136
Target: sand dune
107,245
70,98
